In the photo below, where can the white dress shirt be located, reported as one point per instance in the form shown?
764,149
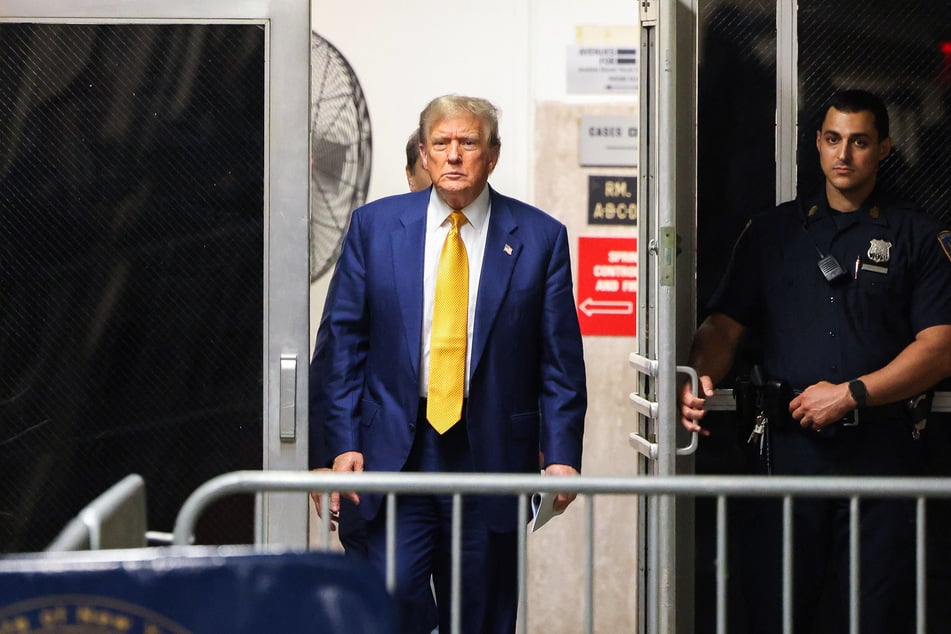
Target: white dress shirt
473,235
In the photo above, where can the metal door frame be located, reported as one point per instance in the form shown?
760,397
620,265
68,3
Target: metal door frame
667,298
280,518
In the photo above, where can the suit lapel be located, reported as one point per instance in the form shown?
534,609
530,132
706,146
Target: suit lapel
502,250
408,254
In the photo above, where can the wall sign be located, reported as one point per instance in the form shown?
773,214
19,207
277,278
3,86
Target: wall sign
608,141
607,286
612,200
601,70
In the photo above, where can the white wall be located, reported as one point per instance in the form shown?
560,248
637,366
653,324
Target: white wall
511,52
407,52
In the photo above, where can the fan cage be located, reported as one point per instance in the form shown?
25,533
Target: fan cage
341,149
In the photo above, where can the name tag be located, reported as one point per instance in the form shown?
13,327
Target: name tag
874,268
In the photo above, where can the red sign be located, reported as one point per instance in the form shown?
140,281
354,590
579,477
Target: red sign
607,286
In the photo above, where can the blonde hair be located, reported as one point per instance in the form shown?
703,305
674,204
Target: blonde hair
449,105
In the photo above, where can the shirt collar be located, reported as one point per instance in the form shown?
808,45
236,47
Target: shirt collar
439,211
872,210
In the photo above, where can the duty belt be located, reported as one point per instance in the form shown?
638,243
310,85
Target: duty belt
876,413
759,398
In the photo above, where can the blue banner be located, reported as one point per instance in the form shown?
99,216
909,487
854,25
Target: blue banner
192,591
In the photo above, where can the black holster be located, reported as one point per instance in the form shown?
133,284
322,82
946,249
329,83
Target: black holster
757,395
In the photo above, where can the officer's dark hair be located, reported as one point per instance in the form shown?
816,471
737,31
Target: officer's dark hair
412,149
860,101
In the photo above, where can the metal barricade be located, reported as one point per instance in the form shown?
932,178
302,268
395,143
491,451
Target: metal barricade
115,519
720,488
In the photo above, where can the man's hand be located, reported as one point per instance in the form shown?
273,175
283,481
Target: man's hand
691,407
821,404
349,461
316,497
563,499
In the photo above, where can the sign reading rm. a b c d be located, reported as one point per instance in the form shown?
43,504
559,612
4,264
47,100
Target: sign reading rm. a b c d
612,200
607,286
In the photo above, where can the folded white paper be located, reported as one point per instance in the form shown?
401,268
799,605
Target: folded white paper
543,509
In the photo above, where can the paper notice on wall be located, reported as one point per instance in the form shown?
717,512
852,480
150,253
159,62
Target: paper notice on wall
601,70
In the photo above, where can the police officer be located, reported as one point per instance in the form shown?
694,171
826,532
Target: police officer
849,298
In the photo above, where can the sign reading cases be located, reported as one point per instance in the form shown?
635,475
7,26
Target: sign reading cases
607,141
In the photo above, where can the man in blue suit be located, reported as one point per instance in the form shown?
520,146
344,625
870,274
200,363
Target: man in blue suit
524,380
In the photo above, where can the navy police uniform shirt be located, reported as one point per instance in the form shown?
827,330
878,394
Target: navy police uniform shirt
896,282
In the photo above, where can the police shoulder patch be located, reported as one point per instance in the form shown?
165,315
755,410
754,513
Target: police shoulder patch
944,238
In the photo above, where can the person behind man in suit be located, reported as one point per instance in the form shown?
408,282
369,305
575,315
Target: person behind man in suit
350,527
416,175
393,393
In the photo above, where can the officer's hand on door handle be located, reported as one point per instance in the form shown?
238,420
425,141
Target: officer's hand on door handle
692,407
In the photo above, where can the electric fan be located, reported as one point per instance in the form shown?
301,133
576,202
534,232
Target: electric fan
340,147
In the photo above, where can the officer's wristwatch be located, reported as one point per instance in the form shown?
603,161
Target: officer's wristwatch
859,392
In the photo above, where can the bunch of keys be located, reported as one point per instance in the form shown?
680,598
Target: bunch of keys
759,430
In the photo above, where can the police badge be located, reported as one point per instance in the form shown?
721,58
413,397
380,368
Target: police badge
879,251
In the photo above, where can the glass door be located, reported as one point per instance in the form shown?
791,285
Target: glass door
154,274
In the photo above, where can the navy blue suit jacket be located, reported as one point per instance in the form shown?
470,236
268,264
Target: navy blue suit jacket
527,379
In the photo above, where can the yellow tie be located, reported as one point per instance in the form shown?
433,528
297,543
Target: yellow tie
447,349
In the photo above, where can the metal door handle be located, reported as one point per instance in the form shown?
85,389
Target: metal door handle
287,417
649,408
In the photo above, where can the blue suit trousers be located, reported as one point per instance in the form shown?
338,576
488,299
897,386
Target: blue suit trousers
489,594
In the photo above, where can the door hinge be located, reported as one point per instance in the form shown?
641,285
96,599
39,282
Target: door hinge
649,12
